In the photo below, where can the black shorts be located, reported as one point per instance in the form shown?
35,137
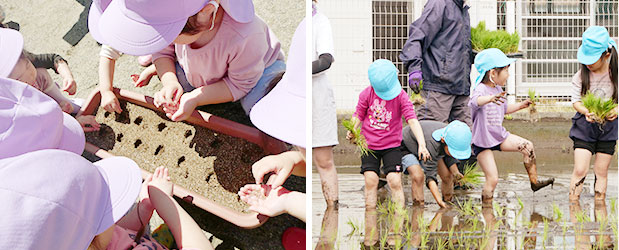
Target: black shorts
391,158
477,150
605,147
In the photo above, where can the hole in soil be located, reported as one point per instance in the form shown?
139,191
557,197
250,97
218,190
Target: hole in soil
138,120
188,133
208,178
186,173
137,143
158,150
119,137
181,160
215,143
123,117
106,114
161,126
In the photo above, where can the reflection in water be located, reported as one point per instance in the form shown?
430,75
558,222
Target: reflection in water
583,228
328,233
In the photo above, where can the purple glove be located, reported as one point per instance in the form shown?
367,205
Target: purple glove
414,80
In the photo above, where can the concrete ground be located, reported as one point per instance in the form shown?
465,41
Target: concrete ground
50,26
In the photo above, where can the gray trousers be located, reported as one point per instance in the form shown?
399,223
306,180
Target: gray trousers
445,108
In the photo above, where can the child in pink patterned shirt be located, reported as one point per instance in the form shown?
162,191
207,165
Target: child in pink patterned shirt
379,112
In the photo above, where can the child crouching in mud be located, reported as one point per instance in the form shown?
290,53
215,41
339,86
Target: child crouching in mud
488,109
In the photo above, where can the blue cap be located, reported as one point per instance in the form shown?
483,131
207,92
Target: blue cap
458,137
595,41
489,59
384,79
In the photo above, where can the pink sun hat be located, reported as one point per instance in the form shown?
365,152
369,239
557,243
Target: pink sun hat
11,46
142,27
31,120
281,113
57,199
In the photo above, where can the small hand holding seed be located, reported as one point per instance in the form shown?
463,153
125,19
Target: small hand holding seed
88,123
264,199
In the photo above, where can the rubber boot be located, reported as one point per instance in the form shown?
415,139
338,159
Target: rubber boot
540,184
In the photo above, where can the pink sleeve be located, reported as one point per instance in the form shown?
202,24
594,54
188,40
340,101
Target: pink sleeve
362,104
246,65
407,107
168,52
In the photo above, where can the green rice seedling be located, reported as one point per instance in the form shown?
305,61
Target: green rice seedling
582,217
603,224
440,244
520,202
383,240
564,228
471,176
601,109
423,231
545,235
556,212
417,99
508,117
358,138
481,39
450,237
613,206
356,229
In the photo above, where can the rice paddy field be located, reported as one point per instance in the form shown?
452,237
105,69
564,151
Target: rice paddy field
518,218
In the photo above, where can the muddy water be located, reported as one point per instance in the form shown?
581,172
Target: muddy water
513,226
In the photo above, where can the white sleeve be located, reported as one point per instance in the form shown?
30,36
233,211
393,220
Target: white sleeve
109,52
324,35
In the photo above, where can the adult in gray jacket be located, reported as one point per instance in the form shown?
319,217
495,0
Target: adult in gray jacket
439,51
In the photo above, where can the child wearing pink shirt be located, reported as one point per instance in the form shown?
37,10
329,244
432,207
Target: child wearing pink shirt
379,111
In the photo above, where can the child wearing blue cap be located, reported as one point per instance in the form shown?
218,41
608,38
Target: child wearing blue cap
444,142
488,109
379,112
598,75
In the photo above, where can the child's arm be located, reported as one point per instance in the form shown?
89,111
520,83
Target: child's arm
435,193
205,95
421,142
166,70
455,171
68,83
186,231
580,108
295,205
498,99
109,102
511,108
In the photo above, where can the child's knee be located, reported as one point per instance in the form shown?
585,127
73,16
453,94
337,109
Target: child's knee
324,162
371,181
527,149
492,181
395,181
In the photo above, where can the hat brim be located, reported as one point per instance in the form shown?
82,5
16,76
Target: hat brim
460,155
135,38
281,114
587,59
124,180
437,134
241,11
94,15
73,138
392,93
11,46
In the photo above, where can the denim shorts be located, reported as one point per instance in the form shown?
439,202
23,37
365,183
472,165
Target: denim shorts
409,160
254,95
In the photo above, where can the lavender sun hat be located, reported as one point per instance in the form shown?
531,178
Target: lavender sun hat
57,198
281,113
11,46
31,120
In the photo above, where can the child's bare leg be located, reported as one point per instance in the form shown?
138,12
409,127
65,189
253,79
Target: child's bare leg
516,143
447,186
371,229
417,177
323,158
185,230
371,185
394,179
582,158
488,166
602,162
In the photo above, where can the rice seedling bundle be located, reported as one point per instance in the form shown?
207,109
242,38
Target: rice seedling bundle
601,109
358,138
532,109
471,176
500,39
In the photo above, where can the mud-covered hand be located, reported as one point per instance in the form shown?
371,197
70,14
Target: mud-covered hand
414,81
185,108
280,165
109,102
423,153
499,98
526,103
88,123
264,199
350,136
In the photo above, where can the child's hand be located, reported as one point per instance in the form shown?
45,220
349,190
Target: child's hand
69,85
184,109
144,78
442,204
612,115
109,102
350,136
264,199
279,165
161,180
66,107
88,123
590,117
526,103
170,94
499,98
424,154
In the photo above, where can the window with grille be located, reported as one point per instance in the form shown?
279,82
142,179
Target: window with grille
390,21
